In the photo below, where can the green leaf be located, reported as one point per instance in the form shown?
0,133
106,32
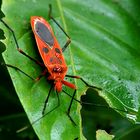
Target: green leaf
102,135
104,51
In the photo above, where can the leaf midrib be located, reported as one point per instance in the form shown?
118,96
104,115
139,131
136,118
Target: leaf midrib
70,51
66,29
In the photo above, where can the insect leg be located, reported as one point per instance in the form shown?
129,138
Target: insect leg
69,40
78,77
66,45
46,101
16,68
68,111
17,46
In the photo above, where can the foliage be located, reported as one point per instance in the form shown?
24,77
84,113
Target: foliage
104,51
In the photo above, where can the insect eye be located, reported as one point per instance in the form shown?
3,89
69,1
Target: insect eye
57,69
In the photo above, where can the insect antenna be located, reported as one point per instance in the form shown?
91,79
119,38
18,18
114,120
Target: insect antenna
34,122
97,105
43,111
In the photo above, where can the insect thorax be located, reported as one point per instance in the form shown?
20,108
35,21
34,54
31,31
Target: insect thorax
57,71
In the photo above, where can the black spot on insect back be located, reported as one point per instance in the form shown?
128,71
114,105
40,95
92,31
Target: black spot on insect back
57,50
44,33
51,59
55,60
46,50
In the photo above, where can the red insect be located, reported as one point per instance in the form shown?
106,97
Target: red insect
50,52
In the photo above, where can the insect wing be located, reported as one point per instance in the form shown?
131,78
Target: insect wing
43,35
48,46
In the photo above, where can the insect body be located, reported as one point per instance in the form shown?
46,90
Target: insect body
50,52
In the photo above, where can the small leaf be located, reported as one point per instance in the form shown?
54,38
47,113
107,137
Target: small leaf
102,135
